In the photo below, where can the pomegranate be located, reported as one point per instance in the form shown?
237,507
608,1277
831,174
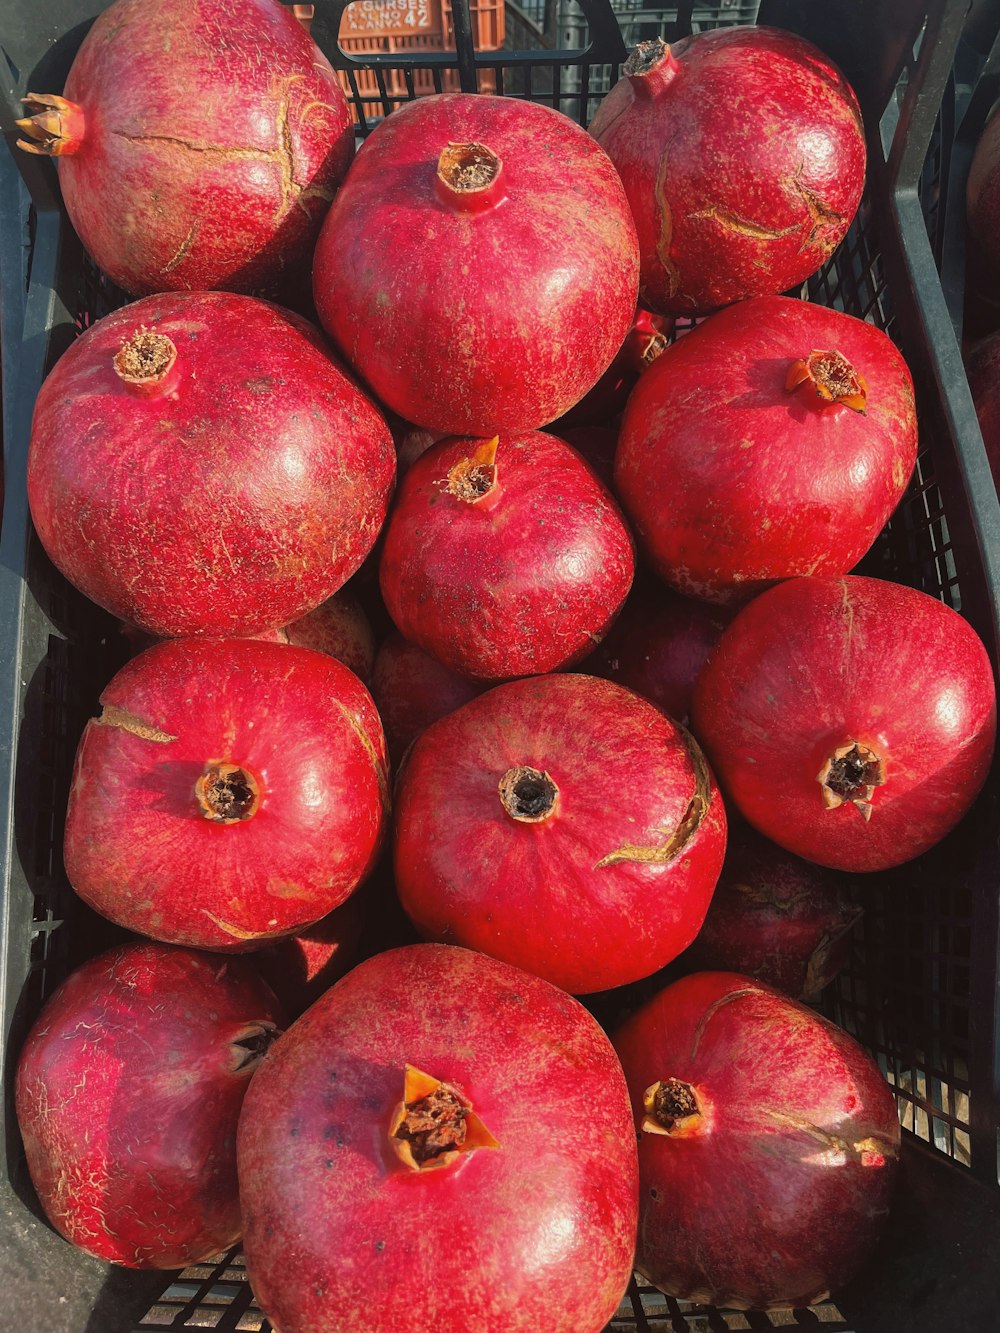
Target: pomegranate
300,967
339,627
411,690
776,918
596,444
982,192
768,1144
506,557
229,793
784,435
658,645
562,824
128,1092
644,342
983,367
214,432
742,152
447,1132
496,234
210,166
851,720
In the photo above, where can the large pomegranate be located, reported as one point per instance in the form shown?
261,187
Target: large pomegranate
128,1092
479,268
229,793
742,152
199,143
768,1143
200,464
775,439
775,917
506,557
411,690
564,825
851,720
451,1134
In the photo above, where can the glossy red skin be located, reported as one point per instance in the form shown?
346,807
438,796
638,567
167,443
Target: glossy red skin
658,645
776,918
301,967
535,894
982,192
128,1093
766,1203
983,368
215,135
258,477
732,482
338,627
744,169
815,663
137,847
473,1247
510,314
411,690
523,581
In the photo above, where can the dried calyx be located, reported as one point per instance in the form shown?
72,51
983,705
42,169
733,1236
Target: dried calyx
250,1047
53,126
651,65
474,478
145,359
527,794
671,1107
832,379
227,793
851,773
470,177
435,1123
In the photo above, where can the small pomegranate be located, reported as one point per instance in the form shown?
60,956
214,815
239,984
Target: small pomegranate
230,792
450,1133
784,435
768,1145
645,340
300,967
495,234
851,720
776,918
217,175
338,627
562,824
200,464
411,690
128,1092
505,557
742,152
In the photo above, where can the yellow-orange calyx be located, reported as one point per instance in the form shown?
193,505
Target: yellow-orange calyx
474,478
434,1124
671,1107
831,377
53,127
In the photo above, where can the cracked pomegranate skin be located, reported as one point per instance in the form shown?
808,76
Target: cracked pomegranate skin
229,498
742,153
524,579
473,320
230,129
733,481
777,1192
332,1215
814,664
609,886
298,724
128,1093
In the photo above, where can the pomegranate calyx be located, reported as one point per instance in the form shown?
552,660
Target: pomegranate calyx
227,793
54,127
470,177
650,67
434,1123
851,773
144,361
253,1043
671,1107
474,478
528,794
832,378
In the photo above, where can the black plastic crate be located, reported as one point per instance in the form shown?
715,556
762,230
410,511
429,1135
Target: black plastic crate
920,991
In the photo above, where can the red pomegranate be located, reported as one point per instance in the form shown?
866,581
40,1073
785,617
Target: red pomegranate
983,367
776,918
199,143
300,967
768,1144
229,793
479,268
505,557
658,645
783,434
199,464
564,825
742,152
451,1134
339,627
982,193
851,720
645,340
128,1092
411,690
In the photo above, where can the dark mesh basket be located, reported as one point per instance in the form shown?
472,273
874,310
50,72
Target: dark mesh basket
920,990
